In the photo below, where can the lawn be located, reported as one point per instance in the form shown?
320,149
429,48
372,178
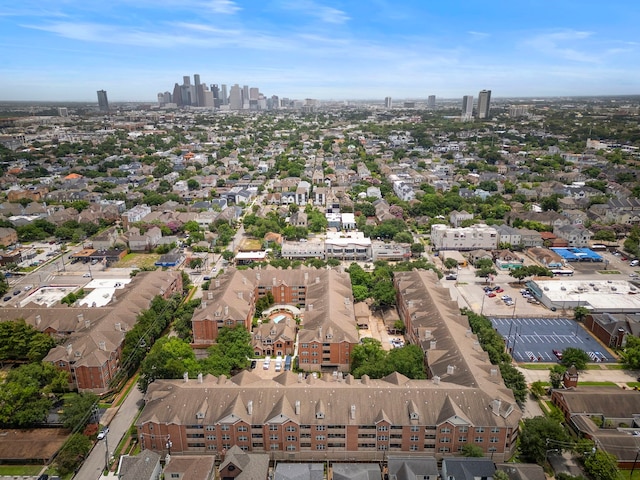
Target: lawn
138,260
20,470
597,384
608,272
537,366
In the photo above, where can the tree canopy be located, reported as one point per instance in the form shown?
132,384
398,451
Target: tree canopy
369,358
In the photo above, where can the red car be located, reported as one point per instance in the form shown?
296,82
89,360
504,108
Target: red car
500,290
491,295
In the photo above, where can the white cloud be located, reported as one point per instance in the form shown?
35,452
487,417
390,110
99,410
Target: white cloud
314,9
564,45
227,7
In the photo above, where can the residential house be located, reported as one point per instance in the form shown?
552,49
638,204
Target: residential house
299,219
456,218
401,467
143,242
106,239
468,468
8,236
143,466
299,471
545,257
507,260
356,471
576,235
240,465
135,214
474,237
613,329
192,467
509,235
530,238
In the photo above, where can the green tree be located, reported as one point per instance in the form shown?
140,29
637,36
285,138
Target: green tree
471,450
78,410
580,313
631,353
601,465
450,263
556,373
72,453
231,354
533,438
407,360
514,380
384,293
417,248
574,356
369,351
168,358
360,293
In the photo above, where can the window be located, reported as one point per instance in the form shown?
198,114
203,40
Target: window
445,430
320,428
415,428
493,440
478,440
291,438
383,428
445,440
242,428
383,438
291,428
224,428
462,439
463,429
495,430
211,437
226,437
291,448
243,438
413,448
273,437
210,428
273,446
382,447
320,446
273,428
444,449
479,429
320,437
413,438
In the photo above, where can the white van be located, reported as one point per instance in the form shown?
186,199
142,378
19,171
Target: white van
267,362
278,363
634,263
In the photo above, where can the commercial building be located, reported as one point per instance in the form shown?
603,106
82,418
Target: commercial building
103,102
467,106
484,103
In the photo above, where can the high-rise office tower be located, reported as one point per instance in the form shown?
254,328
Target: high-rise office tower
484,103
235,97
223,94
177,95
215,90
245,97
467,106
186,80
103,102
199,97
387,102
431,102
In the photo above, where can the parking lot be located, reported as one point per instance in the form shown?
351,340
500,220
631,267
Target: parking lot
535,339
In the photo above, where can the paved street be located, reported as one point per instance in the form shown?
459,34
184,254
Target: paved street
118,428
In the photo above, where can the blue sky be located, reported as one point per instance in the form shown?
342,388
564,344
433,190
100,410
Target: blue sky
325,49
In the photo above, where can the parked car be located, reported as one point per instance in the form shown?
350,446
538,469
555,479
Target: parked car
491,295
103,433
7,298
558,354
499,290
17,292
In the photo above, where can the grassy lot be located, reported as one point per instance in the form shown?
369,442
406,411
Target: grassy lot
614,366
537,366
597,384
17,470
608,272
138,260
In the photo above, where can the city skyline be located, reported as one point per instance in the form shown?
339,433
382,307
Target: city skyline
328,50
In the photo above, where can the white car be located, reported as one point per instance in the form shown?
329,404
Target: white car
86,275
103,433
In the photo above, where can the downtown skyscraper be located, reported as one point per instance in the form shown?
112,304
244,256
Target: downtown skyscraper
484,103
103,101
467,107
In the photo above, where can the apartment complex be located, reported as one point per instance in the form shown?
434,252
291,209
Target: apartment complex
91,338
322,299
474,237
306,417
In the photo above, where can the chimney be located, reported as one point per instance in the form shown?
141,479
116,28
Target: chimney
493,372
495,406
200,377
69,349
210,295
244,280
297,409
185,377
87,323
274,281
226,310
38,320
257,275
432,345
118,327
240,295
306,277
80,317
436,380
250,407
217,283
102,346
353,412
317,279
450,369
310,307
